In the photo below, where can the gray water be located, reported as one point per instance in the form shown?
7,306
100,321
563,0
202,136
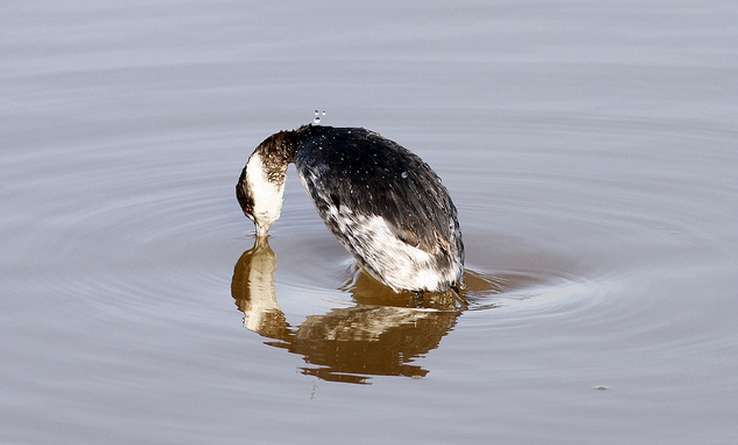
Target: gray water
591,148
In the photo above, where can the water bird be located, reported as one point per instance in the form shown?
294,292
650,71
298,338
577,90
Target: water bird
385,205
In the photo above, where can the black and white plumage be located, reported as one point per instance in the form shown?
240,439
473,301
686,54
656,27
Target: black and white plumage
383,203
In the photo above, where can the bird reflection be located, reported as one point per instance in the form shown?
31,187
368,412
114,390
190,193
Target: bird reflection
381,335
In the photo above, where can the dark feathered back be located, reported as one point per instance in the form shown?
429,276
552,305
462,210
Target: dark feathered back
372,175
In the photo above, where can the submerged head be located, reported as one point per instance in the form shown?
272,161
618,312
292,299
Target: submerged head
261,186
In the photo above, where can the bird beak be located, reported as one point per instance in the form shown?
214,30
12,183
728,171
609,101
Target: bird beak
261,231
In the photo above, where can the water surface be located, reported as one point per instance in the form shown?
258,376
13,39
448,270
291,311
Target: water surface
590,147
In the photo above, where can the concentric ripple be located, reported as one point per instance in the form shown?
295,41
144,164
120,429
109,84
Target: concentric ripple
591,149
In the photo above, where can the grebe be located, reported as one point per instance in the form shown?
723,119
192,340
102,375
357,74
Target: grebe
383,203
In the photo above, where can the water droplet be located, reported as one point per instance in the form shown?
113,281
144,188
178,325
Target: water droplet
404,175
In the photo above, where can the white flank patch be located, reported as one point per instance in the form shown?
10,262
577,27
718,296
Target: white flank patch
267,195
400,265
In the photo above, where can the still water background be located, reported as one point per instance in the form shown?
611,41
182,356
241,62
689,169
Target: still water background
591,148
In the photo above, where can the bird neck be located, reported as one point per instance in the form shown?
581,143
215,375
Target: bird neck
277,152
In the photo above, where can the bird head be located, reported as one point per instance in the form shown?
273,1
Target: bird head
261,186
